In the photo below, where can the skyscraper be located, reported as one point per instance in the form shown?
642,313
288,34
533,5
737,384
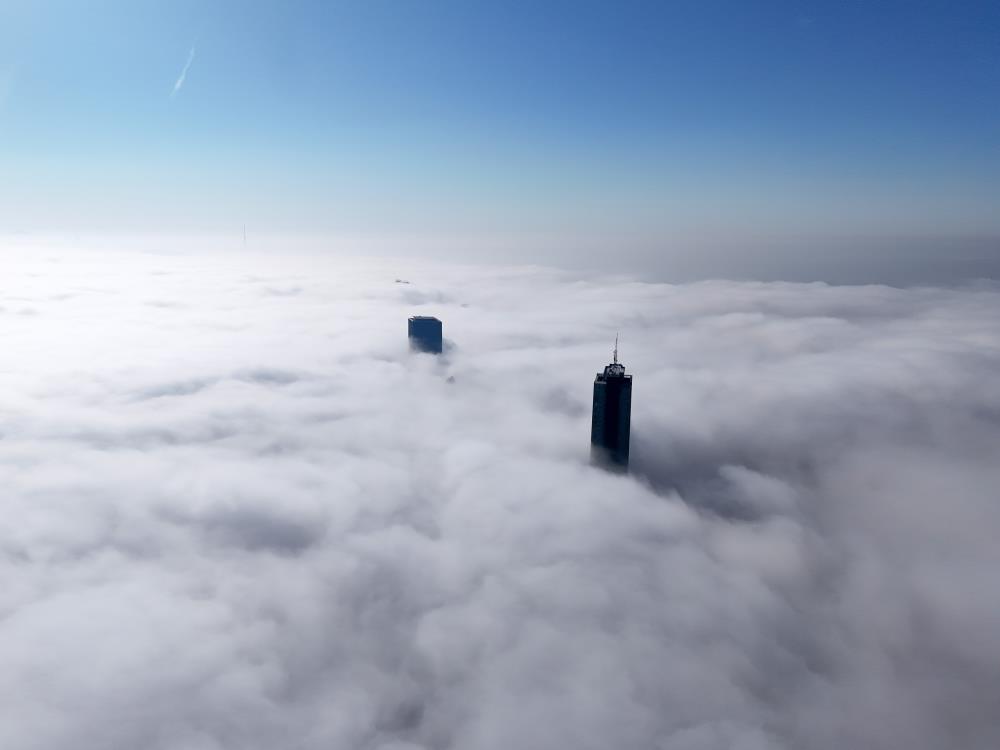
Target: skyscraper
612,416
425,334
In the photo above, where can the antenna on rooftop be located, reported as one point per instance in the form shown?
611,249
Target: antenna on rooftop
616,347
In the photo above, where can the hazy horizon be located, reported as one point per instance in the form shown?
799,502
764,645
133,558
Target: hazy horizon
844,261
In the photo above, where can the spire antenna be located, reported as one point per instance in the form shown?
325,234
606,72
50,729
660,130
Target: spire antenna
616,348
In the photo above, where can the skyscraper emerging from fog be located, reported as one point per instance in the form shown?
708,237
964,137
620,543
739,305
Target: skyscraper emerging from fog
425,334
612,416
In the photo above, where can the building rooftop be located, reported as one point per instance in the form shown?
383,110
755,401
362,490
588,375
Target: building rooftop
615,370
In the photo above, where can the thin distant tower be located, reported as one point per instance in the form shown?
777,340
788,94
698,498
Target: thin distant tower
245,244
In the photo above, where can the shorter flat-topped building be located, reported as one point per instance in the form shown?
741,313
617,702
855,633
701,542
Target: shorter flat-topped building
425,334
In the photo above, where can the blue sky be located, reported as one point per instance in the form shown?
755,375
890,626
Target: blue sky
660,120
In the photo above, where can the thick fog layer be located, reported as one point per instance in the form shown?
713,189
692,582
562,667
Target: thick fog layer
237,512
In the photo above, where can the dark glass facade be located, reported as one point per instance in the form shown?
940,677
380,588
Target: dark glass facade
611,419
425,334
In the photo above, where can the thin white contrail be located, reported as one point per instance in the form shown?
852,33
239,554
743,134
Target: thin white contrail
184,72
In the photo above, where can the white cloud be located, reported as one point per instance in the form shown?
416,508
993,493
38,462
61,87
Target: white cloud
232,517
184,71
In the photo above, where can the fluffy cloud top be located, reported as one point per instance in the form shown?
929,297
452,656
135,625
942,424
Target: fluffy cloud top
237,512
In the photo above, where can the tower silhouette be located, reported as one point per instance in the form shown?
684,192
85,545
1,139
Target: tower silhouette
612,416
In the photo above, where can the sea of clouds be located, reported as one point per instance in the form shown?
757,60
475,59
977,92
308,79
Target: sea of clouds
237,512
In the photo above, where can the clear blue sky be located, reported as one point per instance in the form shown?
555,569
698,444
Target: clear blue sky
661,119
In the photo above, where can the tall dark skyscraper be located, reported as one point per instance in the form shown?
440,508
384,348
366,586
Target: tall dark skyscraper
425,334
612,416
